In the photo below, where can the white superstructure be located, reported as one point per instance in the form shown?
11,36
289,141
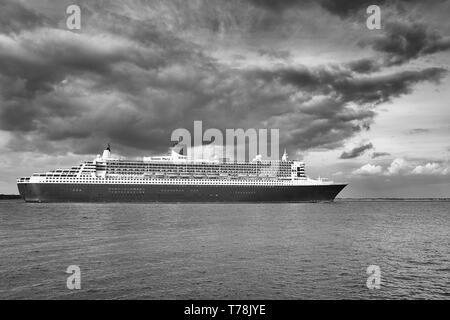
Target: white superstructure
176,169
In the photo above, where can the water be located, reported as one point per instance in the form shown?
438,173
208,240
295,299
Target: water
225,251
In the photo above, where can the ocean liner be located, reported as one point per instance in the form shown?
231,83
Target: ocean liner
175,178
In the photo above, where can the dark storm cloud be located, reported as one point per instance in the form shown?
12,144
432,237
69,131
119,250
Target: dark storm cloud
400,40
345,8
383,88
364,65
347,104
356,152
380,154
43,60
146,87
403,41
277,5
14,17
349,88
127,89
341,8
131,82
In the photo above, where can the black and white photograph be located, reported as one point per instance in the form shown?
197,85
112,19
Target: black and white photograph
224,154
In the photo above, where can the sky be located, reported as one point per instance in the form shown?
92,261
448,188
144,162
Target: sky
366,107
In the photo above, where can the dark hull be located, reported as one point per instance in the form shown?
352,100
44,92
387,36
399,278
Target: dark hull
43,192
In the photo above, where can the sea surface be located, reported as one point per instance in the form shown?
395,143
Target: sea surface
226,251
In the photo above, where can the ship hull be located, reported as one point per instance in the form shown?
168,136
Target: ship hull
67,192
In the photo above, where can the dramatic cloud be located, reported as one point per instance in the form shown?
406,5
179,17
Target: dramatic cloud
356,152
342,8
346,8
84,87
347,87
15,17
402,41
122,72
138,70
364,65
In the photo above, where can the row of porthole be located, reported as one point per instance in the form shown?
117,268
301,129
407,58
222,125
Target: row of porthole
160,180
197,182
125,191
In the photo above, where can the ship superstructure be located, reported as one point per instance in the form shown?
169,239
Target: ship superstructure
176,178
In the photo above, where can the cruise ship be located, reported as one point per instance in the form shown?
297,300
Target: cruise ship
175,178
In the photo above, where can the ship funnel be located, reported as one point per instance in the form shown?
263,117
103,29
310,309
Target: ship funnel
107,152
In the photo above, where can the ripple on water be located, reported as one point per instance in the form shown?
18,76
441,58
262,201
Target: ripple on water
225,251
